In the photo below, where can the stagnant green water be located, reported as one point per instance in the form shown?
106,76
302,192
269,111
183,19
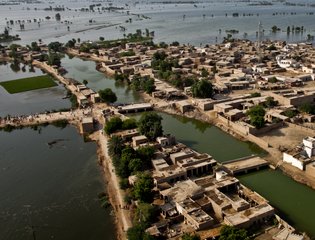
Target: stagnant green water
294,201
206,138
51,190
86,70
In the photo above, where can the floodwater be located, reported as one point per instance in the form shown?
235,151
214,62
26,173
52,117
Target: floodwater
206,138
80,70
294,201
194,22
32,101
59,186
51,190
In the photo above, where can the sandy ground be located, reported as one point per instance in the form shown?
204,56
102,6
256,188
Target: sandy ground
287,137
123,220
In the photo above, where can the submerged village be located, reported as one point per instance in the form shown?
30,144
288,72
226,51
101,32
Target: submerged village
159,188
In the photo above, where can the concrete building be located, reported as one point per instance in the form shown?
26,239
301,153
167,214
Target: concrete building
301,155
87,125
222,198
295,98
138,140
186,153
184,106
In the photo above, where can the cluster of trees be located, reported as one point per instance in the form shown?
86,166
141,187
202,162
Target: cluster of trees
307,108
128,53
270,102
140,83
257,116
255,94
150,125
87,47
290,113
180,81
146,213
204,73
163,65
55,47
54,53
202,89
128,161
71,43
233,233
121,77
116,124
107,95
5,36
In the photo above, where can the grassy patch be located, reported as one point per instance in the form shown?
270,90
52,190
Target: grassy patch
28,84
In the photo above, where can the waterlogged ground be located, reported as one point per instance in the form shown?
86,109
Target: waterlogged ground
194,22
29,102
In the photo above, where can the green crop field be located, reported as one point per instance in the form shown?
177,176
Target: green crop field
28,84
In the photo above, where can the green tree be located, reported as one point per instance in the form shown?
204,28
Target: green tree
71,43
233,233
135,165
307,108
150,125
146,214
136,232
54,59
256,115
124,183
115,146
202,89
107,95
187,236
143,187
290,113
274,28
270,102
146,154
129,123
55,46
58,17
113,125
149,86
204,73
255,94
35,46
127,155
273,80
175,44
